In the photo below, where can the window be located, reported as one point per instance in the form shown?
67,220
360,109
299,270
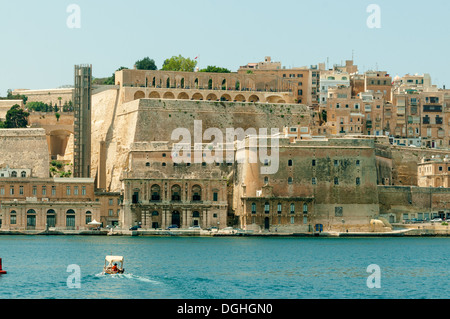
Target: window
111,202
358,162
215,196
23,174
20,190
338,212
83,190
305,208
2,191
110,212
67,190
11,190
267,208
13,218
336,181
358,181
34,190
292,219
53,190
313,162
290,181
75,190
290,163
314,181
253,208
292,208
44,190
14,174
279,208
88,217
266,180
147,164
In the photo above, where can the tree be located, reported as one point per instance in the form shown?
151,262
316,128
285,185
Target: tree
16,117
112,79
215,69
146,64
179,63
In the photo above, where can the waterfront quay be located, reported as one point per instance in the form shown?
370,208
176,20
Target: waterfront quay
400,230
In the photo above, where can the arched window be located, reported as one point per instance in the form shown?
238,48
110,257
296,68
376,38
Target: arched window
13,217
168,83
23,174
88,217
155,213
13,174
195,214
267,208
305,208
253,208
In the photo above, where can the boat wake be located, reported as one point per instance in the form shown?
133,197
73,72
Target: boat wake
126,276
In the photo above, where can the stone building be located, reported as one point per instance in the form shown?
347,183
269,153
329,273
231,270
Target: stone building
434,172
320,184
41,203
159,191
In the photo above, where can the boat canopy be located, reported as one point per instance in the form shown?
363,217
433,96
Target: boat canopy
112,259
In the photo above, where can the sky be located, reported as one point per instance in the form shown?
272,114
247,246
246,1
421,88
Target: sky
39,49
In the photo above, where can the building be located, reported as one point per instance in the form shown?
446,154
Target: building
160,192
41,203
434,172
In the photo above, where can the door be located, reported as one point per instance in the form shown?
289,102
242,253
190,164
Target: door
31,221
176,220
266,223
155,225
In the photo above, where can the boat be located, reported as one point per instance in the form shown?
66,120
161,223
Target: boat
110,262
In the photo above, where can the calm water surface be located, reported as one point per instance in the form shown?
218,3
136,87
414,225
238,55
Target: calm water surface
225,268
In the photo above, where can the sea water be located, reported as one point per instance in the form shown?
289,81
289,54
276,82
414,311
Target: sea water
40,267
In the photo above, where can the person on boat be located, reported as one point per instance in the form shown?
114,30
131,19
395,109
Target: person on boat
114,268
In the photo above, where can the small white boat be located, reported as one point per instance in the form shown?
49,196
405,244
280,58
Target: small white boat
113,265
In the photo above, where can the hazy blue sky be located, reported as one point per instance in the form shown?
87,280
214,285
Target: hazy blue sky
39,50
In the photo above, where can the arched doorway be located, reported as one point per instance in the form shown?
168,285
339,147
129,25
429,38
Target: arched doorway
266,223
51,218
70,219
176,219
31,219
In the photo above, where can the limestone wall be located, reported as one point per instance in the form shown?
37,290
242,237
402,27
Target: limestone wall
49,96
149,120
25,148
402,199
5,106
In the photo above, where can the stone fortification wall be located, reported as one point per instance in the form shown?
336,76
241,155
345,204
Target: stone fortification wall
47,96
25,148
149,120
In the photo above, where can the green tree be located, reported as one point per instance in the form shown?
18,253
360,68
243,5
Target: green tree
112,79
16,117
215,69
146,64
179,63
